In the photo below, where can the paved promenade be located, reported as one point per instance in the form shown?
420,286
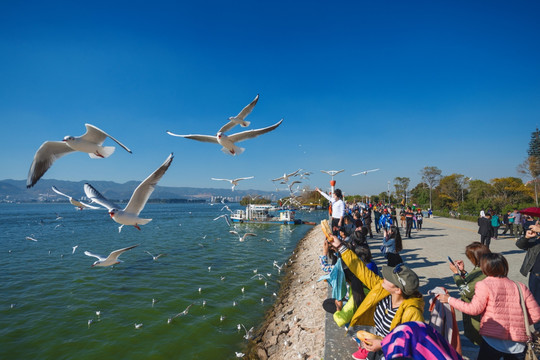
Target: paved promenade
427,254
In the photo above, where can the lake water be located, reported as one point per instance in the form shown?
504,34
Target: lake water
49,295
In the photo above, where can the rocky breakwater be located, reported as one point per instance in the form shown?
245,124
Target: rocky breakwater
294,327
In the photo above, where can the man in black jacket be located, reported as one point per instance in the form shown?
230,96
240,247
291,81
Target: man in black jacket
485,229
366,219
531,263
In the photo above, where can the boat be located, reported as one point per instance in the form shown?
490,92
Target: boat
266,214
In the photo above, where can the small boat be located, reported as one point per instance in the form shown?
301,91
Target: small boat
266,214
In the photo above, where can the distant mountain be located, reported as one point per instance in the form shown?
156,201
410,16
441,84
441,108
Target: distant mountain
15,190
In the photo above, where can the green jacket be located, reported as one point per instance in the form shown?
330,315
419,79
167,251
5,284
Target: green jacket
471,324
411,309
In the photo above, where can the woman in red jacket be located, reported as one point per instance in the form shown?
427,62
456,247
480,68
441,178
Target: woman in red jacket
497,297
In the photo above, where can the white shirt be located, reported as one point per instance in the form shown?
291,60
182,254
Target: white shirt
338,206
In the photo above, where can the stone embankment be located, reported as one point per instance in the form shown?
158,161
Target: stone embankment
294,327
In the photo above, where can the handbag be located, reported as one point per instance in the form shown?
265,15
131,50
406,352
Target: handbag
529,354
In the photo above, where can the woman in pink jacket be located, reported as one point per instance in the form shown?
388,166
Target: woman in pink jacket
496,297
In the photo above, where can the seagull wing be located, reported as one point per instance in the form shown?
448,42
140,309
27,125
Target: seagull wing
59,192
96,197
98,136
294,173
247,110
228,126
116,253
203,138
83,205
248,134
88,253
144,190
244,178
222,179
46,155
233,232
248,234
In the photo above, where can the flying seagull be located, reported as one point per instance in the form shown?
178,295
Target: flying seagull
234,182
226,219
130,214
112,259
89,143
243,237
169,320
228,142
154,257
365,172
239,119
73,201
286,176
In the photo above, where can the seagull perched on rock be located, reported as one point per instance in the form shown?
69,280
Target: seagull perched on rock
112,259
234,182
130,214
74,202
243,237
240,118
365,172
228,142
89,143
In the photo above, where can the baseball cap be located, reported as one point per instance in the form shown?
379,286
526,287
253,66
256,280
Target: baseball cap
402,277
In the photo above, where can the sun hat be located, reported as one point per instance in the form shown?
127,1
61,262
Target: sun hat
402,277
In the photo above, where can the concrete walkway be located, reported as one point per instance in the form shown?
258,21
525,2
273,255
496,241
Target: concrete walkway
426,252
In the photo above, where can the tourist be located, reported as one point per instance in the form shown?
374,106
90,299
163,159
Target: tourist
531,263
392,245
408,221
466,282
484,228
338,208
366,219
516,216
393,299
495,224
497,298
385,220
508,222
419,218
377,215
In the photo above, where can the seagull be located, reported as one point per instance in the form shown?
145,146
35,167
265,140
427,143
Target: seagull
89,143
154,257
30,238
239,119
259,276
234,182
74,248
98,313
291,185
138,326
112,259
169,320
154,301
226,218
130,214
228,142
332,173
227,208
365,172
80,205
243,237
248,333
221,318
286,176
239,354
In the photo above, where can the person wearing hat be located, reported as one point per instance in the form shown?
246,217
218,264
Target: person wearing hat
385,220
392,299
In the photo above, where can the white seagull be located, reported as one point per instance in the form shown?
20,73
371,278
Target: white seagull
365,172
228,142
154,257
89,143
234,182
130,214
74,202
239,119
169,320
112,259
226,218
243,237
286,176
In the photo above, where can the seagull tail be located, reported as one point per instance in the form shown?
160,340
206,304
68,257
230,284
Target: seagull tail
238,150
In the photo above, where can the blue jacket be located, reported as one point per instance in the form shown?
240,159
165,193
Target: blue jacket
385,221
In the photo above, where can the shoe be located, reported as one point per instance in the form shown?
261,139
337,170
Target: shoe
361,354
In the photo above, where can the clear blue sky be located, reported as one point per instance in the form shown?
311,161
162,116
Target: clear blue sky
396,85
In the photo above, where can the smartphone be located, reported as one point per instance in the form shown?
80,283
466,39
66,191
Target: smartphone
450,259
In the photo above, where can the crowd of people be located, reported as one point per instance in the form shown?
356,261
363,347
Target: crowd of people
384,299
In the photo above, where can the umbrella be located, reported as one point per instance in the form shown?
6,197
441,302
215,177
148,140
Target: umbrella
533,211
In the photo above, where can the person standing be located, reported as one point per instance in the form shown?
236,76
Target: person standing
507,223
408,221
386,220
485,229
419,218
377,214
516,215
338,208
531,263
495,224
366,217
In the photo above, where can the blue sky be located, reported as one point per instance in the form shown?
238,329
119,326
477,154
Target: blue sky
395,85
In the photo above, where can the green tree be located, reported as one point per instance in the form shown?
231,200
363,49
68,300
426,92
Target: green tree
431,175
530,168
421,194
451,187
401,184
534,144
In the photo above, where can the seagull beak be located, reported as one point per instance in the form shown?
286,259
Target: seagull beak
111,214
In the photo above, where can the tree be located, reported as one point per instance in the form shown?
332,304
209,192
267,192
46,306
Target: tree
451,186
530,168
534,144
431,175
401,184
421,194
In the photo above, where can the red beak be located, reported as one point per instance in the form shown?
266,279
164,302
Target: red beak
111,215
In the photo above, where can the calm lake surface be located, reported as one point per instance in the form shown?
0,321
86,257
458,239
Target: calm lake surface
49,294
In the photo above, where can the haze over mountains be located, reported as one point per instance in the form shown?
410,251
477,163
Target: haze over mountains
15,190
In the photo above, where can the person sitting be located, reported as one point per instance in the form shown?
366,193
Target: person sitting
392,299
